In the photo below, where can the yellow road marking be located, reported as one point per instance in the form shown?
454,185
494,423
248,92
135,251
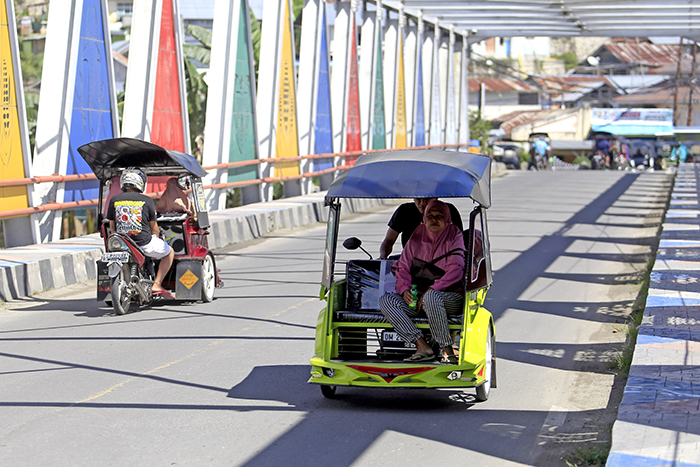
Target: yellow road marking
193,354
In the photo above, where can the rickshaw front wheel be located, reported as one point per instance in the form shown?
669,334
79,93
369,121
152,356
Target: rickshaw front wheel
208,279
328,391
483,391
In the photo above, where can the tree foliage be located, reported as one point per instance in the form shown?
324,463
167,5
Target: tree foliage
569,59
195,85
479,128
199,53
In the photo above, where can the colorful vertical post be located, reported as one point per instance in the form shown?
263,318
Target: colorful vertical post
170,117
450,124
400,119
230,125
353,134
435,123
77,106
419,107
378,115
464,94
410,57
339,78
14,137
276,98
323,138
287,144
155,105
314,111
372,81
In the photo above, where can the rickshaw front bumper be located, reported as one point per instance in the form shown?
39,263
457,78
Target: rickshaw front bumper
396,375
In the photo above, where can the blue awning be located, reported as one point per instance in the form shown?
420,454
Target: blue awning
633,130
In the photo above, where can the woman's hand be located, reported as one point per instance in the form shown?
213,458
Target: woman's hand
407,297
419,305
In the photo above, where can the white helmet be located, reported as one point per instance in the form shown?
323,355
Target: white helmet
133,178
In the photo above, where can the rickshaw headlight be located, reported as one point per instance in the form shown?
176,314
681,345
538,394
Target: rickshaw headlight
329,372
117,244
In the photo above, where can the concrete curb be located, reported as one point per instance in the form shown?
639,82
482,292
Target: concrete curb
36,268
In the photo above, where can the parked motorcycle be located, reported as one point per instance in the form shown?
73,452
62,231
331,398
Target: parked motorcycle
621,162
598,161
643,155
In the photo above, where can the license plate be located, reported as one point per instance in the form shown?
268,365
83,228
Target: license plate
392,341
122,256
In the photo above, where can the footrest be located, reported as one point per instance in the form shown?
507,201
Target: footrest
378,317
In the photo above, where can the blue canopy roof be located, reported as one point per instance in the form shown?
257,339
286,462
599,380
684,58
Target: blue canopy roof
424,173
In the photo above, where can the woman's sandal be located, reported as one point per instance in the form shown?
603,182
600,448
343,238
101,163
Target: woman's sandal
449,359
420,357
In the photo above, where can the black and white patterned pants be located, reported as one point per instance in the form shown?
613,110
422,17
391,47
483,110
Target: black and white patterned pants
436,305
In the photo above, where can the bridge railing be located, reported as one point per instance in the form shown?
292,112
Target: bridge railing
225,165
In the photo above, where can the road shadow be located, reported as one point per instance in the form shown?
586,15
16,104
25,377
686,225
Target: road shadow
359,419
592,358
510,282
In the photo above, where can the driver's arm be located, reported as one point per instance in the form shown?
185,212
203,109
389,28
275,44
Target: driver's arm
388,243
154,228
111,226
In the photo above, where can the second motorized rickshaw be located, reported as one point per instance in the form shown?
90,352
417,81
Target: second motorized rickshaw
124,274
354,344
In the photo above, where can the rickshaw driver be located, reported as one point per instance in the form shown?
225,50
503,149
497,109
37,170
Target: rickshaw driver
404,221
134,214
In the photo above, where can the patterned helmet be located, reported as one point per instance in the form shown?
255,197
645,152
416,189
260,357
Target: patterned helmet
133,178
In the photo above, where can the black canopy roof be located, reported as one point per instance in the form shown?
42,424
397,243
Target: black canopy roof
107,158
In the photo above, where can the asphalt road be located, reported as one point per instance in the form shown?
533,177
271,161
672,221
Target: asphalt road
225,383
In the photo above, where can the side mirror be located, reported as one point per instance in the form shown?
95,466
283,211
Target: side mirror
184,182
352,243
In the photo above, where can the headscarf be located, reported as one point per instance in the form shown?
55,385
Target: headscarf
427,245
174,199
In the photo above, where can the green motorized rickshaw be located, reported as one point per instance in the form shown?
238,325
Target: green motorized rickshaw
354,344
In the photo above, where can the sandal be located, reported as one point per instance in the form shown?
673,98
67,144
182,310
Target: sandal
420,357
165,294
449,359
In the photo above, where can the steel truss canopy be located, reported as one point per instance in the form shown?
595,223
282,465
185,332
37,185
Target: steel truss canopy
563,18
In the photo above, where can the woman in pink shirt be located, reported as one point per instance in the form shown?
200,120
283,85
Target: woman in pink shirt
439,241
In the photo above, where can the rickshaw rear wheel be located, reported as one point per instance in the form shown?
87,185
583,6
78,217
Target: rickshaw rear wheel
328,391
120,296
208,279
483,391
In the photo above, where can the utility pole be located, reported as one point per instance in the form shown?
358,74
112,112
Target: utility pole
691,85
678,78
